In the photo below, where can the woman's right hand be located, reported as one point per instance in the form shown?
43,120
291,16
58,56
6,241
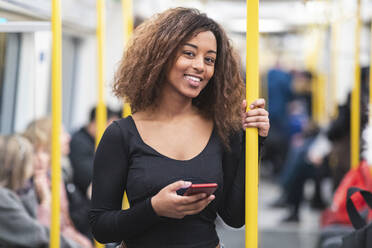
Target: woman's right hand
168,203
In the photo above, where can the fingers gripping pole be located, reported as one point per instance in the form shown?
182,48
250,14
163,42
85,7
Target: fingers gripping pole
56,122
251,184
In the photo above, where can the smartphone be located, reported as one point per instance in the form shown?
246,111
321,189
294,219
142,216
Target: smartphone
208,188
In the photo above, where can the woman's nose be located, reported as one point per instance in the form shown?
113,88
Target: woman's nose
198,64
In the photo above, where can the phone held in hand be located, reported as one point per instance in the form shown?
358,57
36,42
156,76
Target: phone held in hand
207,188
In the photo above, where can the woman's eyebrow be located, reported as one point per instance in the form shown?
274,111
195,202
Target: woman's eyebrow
196,47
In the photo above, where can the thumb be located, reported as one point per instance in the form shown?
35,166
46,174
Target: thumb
178,185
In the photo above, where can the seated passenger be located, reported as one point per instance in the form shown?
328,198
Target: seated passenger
82,148
39,133
22,218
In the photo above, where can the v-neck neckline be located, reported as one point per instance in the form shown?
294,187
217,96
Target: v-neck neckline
165,156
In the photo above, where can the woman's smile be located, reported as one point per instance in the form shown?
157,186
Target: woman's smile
193,80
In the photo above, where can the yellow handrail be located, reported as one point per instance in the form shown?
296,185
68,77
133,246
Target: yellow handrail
355,98
101,113
127,7
312,65
56,122
128,29
101,117
252,92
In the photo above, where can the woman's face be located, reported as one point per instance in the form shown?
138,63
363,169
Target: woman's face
194,65
41,160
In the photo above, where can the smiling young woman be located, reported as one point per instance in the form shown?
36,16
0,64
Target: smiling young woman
182,80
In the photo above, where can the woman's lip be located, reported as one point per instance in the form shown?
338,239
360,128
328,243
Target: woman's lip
192,82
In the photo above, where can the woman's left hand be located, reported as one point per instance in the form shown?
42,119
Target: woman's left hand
257,116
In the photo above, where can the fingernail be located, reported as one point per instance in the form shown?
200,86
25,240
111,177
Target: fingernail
251,106
186,184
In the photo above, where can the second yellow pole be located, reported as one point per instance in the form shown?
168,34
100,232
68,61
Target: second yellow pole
101,117
56,122
252,92
355,98
101,113
127,6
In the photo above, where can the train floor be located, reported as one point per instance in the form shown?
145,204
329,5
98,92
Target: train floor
273,232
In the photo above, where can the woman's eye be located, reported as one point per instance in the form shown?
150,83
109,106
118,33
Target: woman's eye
210,60
188,53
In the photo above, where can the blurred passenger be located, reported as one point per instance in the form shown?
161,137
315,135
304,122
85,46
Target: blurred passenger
181,77
24,217
339,131
309,162
334,227
300,131
280,94
367,137
302,89
82,147
38,133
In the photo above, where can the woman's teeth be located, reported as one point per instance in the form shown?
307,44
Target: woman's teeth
193,78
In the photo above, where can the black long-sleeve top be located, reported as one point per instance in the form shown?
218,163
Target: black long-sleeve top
124,162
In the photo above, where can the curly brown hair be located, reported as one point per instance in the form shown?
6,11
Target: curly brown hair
153,47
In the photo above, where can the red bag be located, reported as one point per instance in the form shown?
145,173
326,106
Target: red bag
360,177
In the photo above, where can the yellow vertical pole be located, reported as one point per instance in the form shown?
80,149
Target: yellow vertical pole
128,19
312,65
355,97
128,29
56,122
101,108
127,6
101,114
252,91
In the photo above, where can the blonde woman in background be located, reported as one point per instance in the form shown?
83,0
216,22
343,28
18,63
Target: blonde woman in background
23,221
38,133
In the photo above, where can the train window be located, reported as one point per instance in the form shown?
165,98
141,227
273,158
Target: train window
70,46
33,85
9,61
70,68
